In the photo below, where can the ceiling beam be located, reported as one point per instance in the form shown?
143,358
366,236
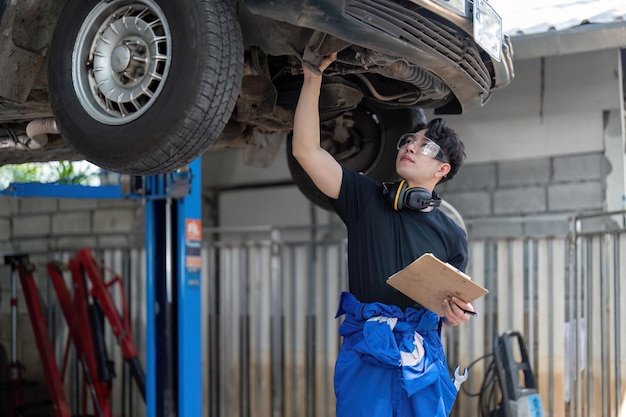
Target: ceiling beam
584,38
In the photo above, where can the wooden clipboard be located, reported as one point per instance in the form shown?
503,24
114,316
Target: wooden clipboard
429,281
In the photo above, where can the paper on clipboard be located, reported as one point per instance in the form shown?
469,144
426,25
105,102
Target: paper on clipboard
429,281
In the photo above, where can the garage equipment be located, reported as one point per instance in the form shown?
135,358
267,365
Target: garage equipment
173,242
173,269
20,263
84,314
520,397
508,388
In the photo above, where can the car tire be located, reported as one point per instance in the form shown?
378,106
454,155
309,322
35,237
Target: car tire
373,132
144,86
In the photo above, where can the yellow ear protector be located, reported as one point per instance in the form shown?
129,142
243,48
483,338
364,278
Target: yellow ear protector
400,195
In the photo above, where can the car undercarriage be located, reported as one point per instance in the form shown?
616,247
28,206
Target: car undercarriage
146,86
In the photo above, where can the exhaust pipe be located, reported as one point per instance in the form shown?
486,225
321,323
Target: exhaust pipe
37,131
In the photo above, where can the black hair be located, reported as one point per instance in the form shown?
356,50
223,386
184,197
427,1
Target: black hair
450,143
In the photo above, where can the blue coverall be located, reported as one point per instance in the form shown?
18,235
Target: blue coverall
391,363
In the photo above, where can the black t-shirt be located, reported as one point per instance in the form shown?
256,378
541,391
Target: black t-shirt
382,241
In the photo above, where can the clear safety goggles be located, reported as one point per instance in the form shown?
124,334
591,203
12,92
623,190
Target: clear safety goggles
423,145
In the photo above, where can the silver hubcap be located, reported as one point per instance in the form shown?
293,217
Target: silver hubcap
121,60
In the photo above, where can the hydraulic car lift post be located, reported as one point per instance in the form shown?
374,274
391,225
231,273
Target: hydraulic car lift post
173,263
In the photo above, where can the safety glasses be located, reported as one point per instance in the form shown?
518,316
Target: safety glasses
423,145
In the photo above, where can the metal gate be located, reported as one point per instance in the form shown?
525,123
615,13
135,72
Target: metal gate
271,296
270,337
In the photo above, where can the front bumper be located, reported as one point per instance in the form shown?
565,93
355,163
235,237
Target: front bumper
424,33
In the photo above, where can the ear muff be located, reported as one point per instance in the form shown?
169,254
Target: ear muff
393,191
400,195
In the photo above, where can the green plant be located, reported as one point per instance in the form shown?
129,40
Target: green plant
66,172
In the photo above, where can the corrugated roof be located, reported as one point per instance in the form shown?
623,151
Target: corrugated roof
526,17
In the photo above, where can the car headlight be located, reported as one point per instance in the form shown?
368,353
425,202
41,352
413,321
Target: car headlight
488,28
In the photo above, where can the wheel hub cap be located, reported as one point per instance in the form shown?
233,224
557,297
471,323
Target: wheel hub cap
120,59
123,59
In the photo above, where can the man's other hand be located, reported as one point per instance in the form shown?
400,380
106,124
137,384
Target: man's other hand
326,61
455,311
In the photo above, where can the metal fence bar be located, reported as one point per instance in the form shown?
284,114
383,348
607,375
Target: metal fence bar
310,334
244,365
604,352
550,329
577,392
277,329
531,282
617,322
292,300
227,383
325,306
589,320
210,310
545,303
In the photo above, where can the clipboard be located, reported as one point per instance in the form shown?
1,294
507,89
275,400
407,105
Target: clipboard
429,281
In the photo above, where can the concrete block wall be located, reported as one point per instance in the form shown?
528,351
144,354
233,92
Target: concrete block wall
41,225
533,197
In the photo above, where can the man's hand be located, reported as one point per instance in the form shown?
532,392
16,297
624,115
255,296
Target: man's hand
323,65
454,314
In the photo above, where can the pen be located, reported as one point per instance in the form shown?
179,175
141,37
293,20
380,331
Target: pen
471,313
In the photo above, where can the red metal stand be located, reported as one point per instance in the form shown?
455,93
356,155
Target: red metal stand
83,311
46,351
119,324
76,313
98,379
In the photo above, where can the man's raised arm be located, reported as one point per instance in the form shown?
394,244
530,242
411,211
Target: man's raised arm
320,165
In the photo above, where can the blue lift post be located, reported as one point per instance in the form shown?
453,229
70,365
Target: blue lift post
189,297
174,242
173,267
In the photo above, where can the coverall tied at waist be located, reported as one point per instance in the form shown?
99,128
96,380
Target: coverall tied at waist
391,362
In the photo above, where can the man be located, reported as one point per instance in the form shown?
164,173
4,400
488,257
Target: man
391,361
